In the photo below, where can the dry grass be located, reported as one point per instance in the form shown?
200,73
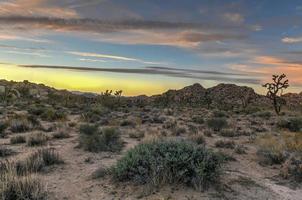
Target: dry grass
15,187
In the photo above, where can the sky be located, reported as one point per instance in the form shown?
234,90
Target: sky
149,46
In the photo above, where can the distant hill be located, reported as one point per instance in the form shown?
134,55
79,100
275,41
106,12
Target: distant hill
220,96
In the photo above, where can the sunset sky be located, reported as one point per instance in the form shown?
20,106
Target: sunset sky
149,46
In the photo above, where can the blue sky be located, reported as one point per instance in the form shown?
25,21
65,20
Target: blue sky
173,42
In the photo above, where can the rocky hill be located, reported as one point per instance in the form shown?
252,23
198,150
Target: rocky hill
224,95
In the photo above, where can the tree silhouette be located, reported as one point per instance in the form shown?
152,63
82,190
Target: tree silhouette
275,91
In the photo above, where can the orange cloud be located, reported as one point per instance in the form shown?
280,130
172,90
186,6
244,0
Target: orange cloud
268,65
35,8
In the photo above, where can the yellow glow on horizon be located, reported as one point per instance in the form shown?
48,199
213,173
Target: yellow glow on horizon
131,84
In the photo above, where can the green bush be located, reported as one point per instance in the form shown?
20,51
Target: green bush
95,140
51,114
94,113
217,123
169,162
294,124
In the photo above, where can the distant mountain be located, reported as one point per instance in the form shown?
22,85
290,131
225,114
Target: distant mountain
220,95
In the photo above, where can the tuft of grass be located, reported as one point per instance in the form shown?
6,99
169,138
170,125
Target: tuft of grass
216,124
228,144
270,150
36,139
228,133
3,126
20,124
220,114
169,162
18,139
52,114
37,161
263,114
95,140
4,151
198,139
14,187
61,135
198,119
137,134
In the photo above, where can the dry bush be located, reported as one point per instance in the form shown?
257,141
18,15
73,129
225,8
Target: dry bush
36,139
18,139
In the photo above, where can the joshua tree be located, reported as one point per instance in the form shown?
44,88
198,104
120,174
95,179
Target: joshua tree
275,91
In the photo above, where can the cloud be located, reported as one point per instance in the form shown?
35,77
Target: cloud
181,34
90,60
107,56
234,17
171,72
35,8
292,40
268,65
96,55
11,36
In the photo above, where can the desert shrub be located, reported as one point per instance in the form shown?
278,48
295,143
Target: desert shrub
208,133
170,125
137,134
293,124
240,149
14,187
169,162
198,139
228,144
19,124
271,156
192,129
52,114
100,173
263,114
3,127
228,133
127,122
270,150
94,113
36,139
217,123
61,135
292,168
95,140
4,151
18,139
198,119
219,114
36,109
37,161
72,124
179,130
